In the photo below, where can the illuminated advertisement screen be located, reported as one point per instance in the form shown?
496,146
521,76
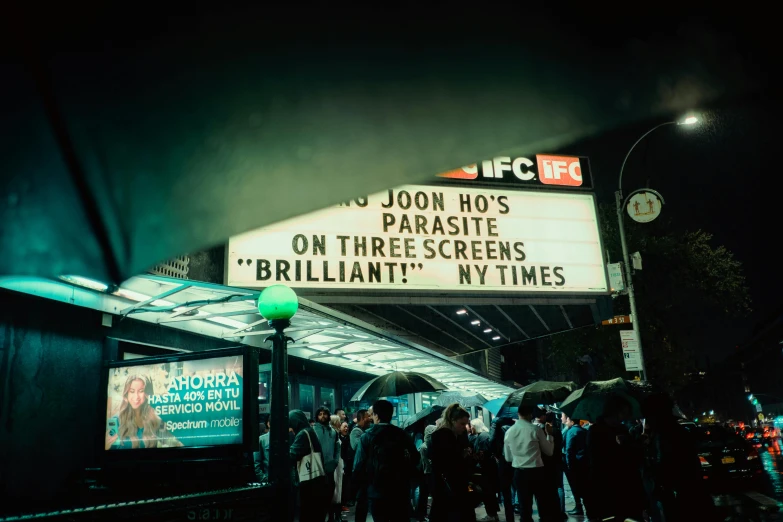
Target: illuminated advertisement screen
186,403
432,239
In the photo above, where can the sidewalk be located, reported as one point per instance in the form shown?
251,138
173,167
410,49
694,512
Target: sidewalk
481,512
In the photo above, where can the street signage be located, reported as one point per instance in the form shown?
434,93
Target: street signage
644,207
618,319
616,282
631,355
432,240
543,170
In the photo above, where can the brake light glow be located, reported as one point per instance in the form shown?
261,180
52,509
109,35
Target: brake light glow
704,463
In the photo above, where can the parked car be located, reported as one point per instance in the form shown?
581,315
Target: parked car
724,454
759,437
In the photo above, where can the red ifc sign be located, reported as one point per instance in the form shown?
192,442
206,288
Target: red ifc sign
559,170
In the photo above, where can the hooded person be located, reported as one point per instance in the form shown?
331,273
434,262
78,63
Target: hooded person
310,494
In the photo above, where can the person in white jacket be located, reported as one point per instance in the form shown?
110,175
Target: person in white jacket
523,446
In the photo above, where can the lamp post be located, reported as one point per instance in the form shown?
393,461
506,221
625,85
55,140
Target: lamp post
621,203
278,304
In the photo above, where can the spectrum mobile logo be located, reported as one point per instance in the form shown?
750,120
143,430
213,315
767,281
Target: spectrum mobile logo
547,169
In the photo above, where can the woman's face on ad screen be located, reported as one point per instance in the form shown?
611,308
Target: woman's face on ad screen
136,395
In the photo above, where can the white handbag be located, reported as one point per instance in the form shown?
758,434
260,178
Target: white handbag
337,498
310,466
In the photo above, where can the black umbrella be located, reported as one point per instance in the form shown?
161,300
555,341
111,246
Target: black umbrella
424,418
541,392
397,383
127,141
588,403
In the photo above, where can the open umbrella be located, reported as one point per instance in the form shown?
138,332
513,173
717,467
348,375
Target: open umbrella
495,407
127,141
588,403
424,418
397,383
464,400
541,392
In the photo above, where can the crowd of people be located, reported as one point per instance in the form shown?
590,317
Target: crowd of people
617,468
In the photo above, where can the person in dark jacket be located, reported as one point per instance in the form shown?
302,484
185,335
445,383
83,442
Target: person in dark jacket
261,457
672,465
482,449
311,494
505,471
385,462
363,423
553,465
347,454
451,498
616,484
427,481
576,468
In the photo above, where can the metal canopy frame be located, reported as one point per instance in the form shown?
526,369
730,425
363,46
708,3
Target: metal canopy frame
330,336
510,320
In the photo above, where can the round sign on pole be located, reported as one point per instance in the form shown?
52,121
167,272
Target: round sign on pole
644,207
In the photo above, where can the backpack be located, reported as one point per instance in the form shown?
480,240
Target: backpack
390,463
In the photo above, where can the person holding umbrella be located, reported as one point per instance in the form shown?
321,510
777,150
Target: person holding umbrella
617,488
575,456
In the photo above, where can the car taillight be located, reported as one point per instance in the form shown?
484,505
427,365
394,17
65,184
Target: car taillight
704,463
749,436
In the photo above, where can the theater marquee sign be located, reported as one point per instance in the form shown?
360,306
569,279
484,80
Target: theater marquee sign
431,239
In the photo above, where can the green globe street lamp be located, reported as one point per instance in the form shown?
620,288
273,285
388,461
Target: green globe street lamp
278,304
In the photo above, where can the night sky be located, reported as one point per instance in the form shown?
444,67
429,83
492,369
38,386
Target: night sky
723,176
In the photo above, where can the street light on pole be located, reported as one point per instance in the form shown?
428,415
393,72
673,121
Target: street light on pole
621,203
278,304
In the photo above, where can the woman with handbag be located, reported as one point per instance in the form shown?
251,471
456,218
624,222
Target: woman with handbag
451,498
309,475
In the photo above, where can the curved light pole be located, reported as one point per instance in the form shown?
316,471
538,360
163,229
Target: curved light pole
621,203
